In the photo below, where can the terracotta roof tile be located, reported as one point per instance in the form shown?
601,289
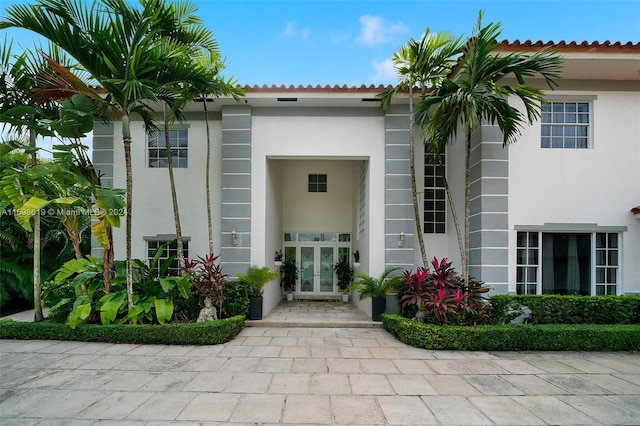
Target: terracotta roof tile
635,210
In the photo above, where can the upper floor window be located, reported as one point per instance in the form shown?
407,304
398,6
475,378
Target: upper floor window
178,140
434,195
565,125
317,183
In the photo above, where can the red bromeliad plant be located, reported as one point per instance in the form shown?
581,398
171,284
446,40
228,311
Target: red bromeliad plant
207,278
441,295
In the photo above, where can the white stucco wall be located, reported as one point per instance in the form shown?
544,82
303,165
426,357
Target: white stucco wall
583,186
152,208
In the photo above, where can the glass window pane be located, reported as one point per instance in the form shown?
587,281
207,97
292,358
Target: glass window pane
583,118
440,228
546,130
558,107
581,143
601,240
546,142
532,274
601,257
570,143
521,257
612,275
613,240
599,275
546,107
599,290
288,236
533,239
520,278
612,259
570,131
557,131
583,107
556,143
521,238
533,257
570,107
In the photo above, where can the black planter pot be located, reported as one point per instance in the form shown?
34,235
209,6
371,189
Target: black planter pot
255,307
378,305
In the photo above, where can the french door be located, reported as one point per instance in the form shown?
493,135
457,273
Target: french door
316,269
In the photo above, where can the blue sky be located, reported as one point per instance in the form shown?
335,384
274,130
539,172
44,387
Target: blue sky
351,42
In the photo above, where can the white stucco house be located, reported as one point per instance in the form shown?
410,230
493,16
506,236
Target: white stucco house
321,172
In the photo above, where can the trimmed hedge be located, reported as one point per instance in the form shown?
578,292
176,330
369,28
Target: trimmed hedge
514,337
556,309
206,333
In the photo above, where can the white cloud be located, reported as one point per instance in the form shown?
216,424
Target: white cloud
292,31
384,72
375,30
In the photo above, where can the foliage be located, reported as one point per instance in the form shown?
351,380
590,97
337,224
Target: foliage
369,286
257,277
153,301
556,309
209,333
289,271
556,337
236,298
440,296
344,273
206,277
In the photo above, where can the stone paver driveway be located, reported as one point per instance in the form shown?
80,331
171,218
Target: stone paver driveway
311,376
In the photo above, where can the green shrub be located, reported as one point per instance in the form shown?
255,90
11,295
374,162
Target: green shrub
206,333
236,298
515,337
556,309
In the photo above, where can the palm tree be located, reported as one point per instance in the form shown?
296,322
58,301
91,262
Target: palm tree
214,86
477,94
129,55
425,62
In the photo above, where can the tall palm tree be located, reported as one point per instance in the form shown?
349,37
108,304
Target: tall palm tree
425,62
215,85
477,93
127,52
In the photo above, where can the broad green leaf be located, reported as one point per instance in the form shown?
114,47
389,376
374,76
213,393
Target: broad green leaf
164,310
25,212
168,284
184,287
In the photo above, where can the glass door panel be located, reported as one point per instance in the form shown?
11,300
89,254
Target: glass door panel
307,269
326,269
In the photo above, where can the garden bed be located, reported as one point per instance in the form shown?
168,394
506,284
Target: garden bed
515,337
206,333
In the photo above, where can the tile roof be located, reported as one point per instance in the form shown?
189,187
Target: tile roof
505,45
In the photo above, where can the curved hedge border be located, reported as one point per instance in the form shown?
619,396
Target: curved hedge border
514,337
207,333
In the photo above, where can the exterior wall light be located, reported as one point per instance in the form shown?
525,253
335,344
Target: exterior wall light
234,238
401,240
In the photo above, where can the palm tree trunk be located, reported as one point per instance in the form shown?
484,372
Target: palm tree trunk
107,262
467,209
126,139
454,214
174,195
207,174
37,286
414,190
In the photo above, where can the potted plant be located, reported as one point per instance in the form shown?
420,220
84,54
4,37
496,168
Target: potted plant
356,260
377,289
344,274
289,271
257,277
278,259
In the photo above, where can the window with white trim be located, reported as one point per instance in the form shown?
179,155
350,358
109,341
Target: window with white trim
584,263
157,148
565,125
606,263
435,213
169,254
317,182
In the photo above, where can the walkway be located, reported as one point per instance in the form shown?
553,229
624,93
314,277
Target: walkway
296,376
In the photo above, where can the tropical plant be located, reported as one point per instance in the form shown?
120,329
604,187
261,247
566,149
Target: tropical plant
289,270
440,296
369,286
257,277
425,62
207,279
344,274
478,92
135,55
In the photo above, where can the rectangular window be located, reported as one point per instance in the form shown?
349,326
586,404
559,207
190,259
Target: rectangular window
317,183
169,254
606,263
565,125
527,260
434,195
564,263
157,148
